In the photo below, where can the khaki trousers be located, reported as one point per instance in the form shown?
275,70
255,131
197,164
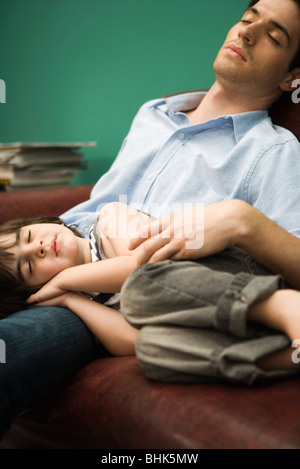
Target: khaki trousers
192,317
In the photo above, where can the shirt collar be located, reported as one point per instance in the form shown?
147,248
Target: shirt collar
242,123
180,102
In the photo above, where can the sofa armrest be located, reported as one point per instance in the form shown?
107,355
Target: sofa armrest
41,201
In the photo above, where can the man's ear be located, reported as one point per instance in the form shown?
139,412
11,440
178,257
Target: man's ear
291,81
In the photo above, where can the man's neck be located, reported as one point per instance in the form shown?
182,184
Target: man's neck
220,102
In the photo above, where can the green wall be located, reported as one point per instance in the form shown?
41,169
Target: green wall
80,69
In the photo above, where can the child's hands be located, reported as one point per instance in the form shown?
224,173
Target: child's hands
51,290
62,300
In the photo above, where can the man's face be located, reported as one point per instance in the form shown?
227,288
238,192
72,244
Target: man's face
258,50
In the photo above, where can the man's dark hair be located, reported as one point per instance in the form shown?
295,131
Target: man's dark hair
14,291
296,60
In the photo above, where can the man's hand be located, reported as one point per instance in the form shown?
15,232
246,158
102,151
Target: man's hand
191,233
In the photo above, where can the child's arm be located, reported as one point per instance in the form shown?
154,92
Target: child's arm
106,324
105,276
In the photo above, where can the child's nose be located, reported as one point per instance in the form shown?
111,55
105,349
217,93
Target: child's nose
37,249
41,249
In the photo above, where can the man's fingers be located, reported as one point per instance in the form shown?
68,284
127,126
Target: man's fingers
135,243
149,248
149,231
159,249
169,251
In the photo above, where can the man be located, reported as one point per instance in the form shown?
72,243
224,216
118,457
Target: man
181,150
167,351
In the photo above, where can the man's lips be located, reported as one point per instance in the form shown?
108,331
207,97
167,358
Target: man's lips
236,51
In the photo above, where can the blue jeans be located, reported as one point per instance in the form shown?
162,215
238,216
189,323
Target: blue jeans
44,346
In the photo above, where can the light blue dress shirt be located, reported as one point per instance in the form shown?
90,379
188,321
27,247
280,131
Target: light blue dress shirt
166,164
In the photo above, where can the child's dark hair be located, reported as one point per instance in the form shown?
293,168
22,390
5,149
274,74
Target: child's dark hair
13,291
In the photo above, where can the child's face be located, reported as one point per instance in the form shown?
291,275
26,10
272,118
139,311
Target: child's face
42,251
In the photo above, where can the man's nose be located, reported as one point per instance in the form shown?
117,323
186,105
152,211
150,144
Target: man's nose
249,33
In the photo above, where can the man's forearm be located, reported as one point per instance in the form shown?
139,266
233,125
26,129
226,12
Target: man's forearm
268,243
225,224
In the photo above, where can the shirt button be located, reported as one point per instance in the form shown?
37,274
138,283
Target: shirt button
181,136
149,176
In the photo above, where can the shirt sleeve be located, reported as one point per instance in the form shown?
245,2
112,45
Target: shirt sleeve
273,184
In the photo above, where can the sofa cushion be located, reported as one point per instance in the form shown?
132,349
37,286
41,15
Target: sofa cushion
109,404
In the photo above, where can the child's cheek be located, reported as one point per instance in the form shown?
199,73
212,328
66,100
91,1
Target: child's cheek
48,270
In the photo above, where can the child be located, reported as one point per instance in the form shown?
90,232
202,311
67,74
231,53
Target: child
53,264
42,251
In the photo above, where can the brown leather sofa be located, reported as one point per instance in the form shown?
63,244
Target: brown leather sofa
109,404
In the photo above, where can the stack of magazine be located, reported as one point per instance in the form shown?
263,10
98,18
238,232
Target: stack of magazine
37,165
